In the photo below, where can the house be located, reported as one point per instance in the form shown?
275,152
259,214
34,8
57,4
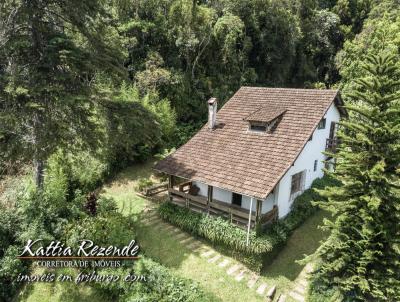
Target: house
256,154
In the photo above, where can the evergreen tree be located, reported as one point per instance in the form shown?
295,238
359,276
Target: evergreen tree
362,255
50,51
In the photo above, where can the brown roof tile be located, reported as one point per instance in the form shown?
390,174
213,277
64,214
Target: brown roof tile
249,163
265,114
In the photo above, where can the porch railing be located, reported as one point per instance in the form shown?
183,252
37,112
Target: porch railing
235,214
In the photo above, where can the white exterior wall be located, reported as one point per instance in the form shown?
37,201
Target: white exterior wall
226,196
281,195
305,161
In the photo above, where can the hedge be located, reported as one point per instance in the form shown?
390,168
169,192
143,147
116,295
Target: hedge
222,233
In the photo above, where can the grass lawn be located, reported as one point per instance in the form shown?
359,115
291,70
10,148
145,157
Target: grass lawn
123,188
59,291
304,241
161,246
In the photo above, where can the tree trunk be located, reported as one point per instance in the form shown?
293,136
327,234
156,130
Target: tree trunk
39,173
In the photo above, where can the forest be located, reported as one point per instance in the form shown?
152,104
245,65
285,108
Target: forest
88,88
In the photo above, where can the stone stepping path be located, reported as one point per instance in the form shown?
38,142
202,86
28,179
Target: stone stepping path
296,296
252,281
271,292
214,259
299,290
207,254
232,268
239,277
224,263
194,245
261,289
186,240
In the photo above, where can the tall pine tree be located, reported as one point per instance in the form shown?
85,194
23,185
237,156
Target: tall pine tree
362,255
50,51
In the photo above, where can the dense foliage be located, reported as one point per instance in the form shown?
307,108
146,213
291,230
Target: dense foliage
109,227
222,233
50,53
88,87
56,57
361,257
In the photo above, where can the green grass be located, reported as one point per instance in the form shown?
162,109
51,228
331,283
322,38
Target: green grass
161,246
59,291
123,188
303,241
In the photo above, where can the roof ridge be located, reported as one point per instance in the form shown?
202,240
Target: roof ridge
288,88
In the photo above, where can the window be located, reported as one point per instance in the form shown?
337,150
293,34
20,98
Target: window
259,128
322,124
315,165
297,183
237,199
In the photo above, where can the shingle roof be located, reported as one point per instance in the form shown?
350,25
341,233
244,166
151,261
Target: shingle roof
250,163
265,114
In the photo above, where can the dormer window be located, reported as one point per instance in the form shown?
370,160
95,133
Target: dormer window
265,119
259,128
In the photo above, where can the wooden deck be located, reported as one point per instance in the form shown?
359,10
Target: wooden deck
237,215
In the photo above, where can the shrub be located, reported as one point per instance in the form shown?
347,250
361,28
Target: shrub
109,229
216,230
10,268
143,183
162,285
319,292
9,226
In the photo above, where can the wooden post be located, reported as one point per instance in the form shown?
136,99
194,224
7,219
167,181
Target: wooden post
170,185
170,181
258,210
209,197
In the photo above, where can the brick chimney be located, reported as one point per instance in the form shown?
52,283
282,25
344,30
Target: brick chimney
212,112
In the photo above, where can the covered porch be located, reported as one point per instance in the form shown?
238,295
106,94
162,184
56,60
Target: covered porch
181,193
